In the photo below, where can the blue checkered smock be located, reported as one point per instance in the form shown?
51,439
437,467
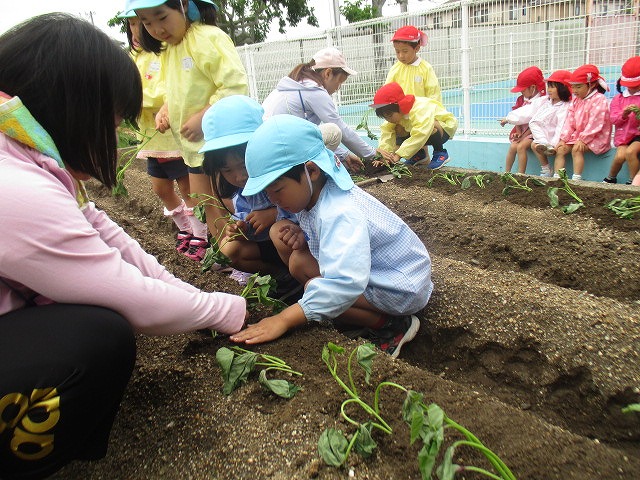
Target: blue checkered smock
362,247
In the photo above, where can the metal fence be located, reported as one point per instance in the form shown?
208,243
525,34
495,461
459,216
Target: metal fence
476,48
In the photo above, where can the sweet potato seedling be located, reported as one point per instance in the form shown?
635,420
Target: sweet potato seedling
625,208
127,138
237,363
512,183
552,192
480,179
364,124
256,292
451,177
426,422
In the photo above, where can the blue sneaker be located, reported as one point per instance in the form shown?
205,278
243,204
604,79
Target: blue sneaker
419,158
438,160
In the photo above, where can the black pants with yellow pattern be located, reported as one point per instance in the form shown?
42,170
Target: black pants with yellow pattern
63,371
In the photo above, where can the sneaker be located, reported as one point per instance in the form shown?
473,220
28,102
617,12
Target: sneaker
241,277
438,160
628,182
610,180
546,173
576,177
197,249
420,158
287,287
182,241
397,332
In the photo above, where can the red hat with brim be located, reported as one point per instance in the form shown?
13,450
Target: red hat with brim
410,34
588,74
529,76
560,76
631,73
392,93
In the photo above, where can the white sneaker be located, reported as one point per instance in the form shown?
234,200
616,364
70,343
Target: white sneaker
546,173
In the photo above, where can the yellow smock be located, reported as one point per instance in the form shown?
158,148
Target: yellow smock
417,79
200,70
160,145
419,122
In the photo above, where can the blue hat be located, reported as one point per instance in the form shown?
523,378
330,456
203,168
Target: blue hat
230,121
131,5
281,143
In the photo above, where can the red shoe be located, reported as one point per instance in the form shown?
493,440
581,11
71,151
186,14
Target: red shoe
182,241
197,249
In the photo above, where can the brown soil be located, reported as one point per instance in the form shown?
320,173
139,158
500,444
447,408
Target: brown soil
530,341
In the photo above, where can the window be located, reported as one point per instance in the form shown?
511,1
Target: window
513,11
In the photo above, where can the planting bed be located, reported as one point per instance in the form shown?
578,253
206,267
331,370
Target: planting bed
530,340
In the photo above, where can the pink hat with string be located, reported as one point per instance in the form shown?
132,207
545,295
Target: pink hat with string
588,74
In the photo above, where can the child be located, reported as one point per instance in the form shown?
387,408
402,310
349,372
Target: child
227,127
547,120
588,126
414,74
621,111
200,66
531,83
412,122
164,162
360,263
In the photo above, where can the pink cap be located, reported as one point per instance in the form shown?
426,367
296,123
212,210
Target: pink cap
331,57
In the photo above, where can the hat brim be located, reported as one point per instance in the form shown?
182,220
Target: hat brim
350,71
126,14
518,89
324,159
630,83
226,141
380,105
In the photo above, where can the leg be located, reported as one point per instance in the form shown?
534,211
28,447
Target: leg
163,188
522,148
301,264
616,164
539,151
561,152
632,155
578,164
216,215
511,157
60,389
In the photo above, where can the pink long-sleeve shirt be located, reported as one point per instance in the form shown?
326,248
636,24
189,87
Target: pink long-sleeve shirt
626,128
588,121
56,252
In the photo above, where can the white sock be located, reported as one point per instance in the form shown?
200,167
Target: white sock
179,217
198,229
546,169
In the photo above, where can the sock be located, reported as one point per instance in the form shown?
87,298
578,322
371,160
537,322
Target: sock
179,217
198,228
546,169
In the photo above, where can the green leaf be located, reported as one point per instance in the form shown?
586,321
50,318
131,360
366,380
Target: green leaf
506,190
365,354
427,459
466,183
332,447
414,415
224,356
447,469
280,387
241,367
572,207
552,193
364,444
199,213
335,348
537,182
634,407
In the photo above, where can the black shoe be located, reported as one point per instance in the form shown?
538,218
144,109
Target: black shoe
288,289
392,336
610,180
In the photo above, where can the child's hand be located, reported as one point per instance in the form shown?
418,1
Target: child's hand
503,121
270,328
162,119
580,147
192,128
262,219
234,229
292,236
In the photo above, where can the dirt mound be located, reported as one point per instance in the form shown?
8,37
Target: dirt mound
530,341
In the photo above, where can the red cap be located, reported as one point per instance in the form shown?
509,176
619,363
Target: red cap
393,93
588,74
631,73
410,34
529,76
560,76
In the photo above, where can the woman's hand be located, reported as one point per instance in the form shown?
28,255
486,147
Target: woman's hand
353,163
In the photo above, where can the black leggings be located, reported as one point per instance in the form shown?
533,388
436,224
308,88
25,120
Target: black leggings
63,371
436,140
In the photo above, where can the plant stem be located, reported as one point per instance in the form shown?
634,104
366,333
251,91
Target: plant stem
384,426
497,463
376,396
482,471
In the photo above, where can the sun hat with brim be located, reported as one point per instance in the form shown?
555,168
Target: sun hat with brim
131,5
588,74
527,77
410,34
392,93
281,143
331,57
631,73
560,76
230,121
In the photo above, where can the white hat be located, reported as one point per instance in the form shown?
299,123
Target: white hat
331,57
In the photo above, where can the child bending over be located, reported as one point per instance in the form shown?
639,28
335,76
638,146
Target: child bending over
588,126
622,111
531,83
360,263
410,124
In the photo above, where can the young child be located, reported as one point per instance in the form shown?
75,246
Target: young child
227,127
414,74
588,125
164,161
549,115
360,263
411,123
531,83
627,133
200,66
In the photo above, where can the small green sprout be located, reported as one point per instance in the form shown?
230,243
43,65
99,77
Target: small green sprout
126,138
624,208
512,183
552,193
364,124
451,177
480,179
257,290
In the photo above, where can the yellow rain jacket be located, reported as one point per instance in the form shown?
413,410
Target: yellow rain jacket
417,79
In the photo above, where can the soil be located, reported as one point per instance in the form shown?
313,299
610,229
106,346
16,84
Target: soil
530,341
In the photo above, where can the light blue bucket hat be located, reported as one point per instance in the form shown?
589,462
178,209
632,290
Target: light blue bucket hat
230,121
281,143
131,5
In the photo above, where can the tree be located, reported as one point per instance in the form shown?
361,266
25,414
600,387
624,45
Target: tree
249,21
355,12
